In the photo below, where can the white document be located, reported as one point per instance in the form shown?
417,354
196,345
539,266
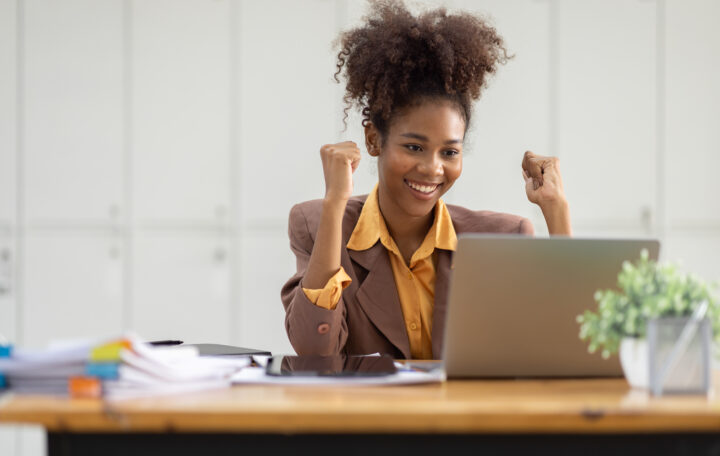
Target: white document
257,375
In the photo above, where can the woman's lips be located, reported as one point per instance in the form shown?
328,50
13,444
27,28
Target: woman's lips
422,190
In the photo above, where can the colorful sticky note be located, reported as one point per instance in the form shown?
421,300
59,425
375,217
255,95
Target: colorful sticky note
5,351
110,351
107,371
85,387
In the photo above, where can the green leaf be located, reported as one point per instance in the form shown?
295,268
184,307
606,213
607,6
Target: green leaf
647,290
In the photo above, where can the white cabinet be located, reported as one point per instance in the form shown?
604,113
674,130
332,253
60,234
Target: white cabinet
692,65
22,440
181,287
8,440
8,284
267,263
180,110
512,114
8,114
697,252
692,191
606,88
73,287
73,110
287,104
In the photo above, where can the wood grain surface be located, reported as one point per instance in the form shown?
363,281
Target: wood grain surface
477,406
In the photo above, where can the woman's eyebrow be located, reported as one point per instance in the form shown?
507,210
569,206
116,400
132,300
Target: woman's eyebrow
417,136
424,138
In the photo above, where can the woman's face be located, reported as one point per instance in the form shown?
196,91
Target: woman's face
421,157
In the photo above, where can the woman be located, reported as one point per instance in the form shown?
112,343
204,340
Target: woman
372,271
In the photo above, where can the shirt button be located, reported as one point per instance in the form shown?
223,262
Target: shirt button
413,326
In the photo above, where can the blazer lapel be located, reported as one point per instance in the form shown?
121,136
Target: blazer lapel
442,285
378,296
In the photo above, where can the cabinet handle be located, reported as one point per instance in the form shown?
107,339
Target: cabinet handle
5,275
646,218
220,255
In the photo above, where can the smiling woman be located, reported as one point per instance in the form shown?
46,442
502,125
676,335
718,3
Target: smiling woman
373,270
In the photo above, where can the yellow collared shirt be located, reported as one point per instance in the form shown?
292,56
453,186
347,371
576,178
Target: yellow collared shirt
415,282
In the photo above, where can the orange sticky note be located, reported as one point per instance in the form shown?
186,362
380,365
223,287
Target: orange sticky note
85,387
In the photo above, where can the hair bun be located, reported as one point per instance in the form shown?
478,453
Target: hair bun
396,59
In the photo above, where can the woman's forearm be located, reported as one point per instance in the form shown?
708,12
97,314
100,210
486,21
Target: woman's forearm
325,258
557,217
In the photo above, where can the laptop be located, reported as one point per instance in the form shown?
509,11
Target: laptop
514,302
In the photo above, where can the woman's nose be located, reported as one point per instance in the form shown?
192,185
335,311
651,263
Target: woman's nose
431,165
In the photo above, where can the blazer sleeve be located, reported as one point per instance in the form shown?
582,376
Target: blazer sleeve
312,330
526,227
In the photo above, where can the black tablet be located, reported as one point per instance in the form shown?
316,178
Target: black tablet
331,366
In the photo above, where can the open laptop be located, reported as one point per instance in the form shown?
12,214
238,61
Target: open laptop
514,302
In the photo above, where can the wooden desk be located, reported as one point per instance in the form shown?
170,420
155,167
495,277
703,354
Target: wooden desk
562,416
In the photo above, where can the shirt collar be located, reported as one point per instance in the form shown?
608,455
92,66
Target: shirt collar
371,227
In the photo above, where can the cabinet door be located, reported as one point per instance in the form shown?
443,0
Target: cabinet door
8,312
695,251
23,440
512,114
266,264
180,109
693,113
8,439
8,114
73,109
181,287
287,103
72,285
606,107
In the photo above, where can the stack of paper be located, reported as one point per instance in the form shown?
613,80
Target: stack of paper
121,368
257,375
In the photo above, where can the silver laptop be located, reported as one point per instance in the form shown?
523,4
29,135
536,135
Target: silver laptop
514,302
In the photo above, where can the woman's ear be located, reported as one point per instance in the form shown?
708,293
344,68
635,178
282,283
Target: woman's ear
372,139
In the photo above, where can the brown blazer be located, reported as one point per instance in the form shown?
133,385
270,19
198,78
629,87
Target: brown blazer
368,318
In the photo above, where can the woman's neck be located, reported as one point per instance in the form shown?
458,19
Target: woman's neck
407,231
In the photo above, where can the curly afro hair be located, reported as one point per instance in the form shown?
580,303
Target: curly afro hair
397,60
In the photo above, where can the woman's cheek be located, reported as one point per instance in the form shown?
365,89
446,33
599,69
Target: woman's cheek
454,171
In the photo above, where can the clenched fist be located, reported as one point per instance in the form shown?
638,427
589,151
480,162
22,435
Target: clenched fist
544,187
543,182
339,163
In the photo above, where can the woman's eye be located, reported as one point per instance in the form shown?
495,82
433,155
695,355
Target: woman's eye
413,147
451,153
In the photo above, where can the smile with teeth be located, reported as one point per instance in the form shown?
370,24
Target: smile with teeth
422,188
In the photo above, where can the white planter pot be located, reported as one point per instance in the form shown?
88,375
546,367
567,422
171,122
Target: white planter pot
634,361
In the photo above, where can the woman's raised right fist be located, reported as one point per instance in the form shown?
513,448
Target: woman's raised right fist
339,162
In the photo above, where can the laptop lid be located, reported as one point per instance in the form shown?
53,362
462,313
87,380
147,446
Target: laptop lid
514,301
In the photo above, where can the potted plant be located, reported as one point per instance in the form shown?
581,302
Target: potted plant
648,289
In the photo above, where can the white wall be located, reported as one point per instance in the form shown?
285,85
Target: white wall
150,150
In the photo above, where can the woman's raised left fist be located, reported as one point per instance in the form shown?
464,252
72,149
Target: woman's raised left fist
543,182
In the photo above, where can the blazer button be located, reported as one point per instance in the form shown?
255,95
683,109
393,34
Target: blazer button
323,328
